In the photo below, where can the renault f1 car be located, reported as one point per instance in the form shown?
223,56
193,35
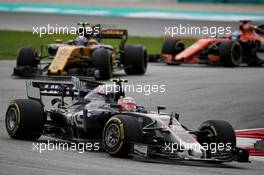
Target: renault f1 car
90,58
98,116
242,47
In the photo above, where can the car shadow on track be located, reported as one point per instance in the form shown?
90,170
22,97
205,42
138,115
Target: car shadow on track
159,161
150,161
196,65
191,163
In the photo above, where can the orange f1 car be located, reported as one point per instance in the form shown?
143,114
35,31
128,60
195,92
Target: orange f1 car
242,46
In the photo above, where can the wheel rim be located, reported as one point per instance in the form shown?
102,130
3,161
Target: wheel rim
211,135
112,136
11,119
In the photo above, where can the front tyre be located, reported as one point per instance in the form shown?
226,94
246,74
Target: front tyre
27,56
25,119
102,59
218,132
119,132
172,47
230,53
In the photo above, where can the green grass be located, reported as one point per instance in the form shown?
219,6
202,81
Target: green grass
11,41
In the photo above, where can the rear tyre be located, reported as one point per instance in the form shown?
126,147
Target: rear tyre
218,131
25,119
102,59
135,60
172,47
119,132
255,61
251,54
230,53
27,56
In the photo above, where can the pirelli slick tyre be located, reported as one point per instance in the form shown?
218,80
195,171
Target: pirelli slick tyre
231,53
119,132
27,56
252,54
218,131
254,61
172,47
135,60
102,59
25,119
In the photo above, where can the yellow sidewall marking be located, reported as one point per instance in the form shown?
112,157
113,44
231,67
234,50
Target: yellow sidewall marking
122,135
210,126
13,131
232,58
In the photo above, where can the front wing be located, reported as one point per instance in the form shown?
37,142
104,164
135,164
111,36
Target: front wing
145,152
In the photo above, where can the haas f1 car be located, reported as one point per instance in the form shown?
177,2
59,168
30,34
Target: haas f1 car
242,47
84,56
121,126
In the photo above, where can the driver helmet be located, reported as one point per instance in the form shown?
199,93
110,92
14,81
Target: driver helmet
127,104
92,42
81,41
236,35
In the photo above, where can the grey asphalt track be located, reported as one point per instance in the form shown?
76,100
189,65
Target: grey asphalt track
196,92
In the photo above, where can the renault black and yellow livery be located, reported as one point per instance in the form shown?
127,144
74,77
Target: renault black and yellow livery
84,56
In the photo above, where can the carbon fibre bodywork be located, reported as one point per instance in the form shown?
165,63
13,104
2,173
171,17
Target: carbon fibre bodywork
90,114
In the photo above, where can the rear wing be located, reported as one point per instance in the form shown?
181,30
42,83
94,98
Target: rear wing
103,33
77,88
115,34
36,89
